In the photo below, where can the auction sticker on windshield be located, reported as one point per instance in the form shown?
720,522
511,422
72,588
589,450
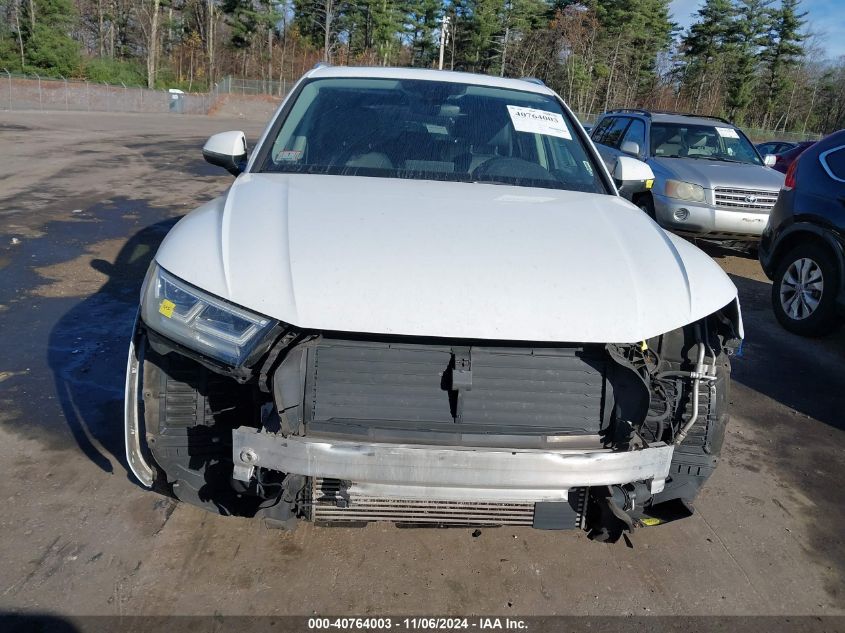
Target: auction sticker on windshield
538,122
727,132
289,155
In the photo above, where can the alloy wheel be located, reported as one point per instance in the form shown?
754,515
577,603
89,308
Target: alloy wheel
801,288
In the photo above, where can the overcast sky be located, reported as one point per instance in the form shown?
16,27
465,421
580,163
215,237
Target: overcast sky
825,18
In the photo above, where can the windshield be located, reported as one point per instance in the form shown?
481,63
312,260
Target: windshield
707,142
432,130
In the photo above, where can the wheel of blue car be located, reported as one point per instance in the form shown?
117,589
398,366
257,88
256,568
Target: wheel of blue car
803,292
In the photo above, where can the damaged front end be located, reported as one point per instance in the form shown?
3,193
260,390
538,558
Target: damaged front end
345,429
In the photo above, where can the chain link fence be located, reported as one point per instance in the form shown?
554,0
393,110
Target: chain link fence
759,135
241,86
32,92
28,92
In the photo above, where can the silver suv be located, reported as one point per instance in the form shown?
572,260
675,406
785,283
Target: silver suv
710,180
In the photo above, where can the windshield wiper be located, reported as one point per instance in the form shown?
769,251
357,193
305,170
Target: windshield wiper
722,160
716,158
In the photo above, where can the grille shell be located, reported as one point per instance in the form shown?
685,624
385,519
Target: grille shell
736,198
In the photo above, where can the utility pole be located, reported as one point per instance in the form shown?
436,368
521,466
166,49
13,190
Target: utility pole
508,7
444,33
504,51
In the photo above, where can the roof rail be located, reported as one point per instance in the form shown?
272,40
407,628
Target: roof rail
648,113
321,65
692,114
533,80
630,110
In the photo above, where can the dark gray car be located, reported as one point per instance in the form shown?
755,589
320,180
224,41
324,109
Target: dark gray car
710,180
803,246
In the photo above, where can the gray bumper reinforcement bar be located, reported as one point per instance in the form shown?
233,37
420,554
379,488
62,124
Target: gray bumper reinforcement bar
448,467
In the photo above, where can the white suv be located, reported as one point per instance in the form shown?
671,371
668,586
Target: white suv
422,300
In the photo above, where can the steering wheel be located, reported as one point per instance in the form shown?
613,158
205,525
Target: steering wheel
508,167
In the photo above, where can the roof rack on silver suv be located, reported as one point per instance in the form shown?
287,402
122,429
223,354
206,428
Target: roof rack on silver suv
648,113
630,111
533,80
692,114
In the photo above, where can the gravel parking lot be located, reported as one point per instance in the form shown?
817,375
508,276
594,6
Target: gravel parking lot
84,200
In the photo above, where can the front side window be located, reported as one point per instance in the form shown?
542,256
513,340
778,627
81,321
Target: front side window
635,133
615,132
431,130
601,129
706,142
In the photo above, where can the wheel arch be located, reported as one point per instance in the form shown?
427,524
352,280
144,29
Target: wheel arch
642,195
802,233
645,196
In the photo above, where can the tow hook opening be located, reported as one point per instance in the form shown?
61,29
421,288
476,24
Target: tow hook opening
616,510
610,510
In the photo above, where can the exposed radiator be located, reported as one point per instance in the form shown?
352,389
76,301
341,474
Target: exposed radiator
334,501
408,387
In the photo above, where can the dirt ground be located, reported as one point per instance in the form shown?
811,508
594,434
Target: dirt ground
84,200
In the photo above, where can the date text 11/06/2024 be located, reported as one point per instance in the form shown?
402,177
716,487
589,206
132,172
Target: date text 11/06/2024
418,623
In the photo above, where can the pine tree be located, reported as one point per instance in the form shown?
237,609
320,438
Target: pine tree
519,19
320,21
45,37
633,33
423,19
388,18
651,31
781,51
705,47
745,41
486,26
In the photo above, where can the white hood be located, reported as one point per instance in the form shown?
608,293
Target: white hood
441,259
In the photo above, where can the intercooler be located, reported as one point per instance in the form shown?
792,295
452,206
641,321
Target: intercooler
337,502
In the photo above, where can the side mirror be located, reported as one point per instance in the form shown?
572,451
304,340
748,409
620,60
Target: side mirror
632,176
631,148
103,266
226,150
769,160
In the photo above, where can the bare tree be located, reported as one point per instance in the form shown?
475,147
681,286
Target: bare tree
101,31
209,40
326,11
20,32
148,19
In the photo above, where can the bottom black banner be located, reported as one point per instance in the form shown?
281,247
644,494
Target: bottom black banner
45,623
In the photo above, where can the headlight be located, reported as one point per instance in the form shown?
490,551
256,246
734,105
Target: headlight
684,190
200,321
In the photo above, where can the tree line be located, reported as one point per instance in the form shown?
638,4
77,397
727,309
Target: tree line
750,60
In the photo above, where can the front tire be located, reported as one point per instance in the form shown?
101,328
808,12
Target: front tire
646,205
804,290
